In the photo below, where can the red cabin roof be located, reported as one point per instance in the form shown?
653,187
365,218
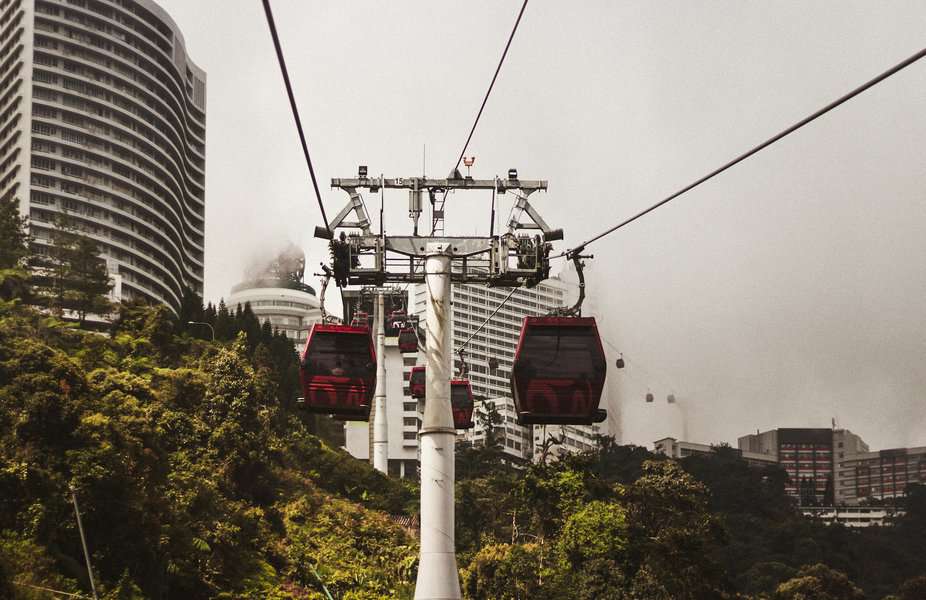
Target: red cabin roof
559,371
338,371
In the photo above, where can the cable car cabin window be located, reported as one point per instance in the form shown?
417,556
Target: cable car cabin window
461,403
408,341
560,353
416,382
460,397
339,355
559,371
338,371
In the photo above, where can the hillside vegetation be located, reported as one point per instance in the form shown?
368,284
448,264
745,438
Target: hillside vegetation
197,479
193,478
622,524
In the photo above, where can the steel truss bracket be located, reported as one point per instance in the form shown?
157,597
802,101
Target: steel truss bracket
522,206
354,205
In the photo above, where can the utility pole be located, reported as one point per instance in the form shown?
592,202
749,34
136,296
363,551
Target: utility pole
380,421
516,257
83,542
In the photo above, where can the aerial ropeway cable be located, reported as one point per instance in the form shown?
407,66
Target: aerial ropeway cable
852,94
292,103
485,98
454,172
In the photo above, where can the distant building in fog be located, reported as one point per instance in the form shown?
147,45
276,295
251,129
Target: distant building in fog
826,468
674,448
808,456
879,476
277,294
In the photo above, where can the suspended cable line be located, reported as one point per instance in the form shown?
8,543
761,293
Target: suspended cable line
898,67
491,85
292,104
489,318
482,106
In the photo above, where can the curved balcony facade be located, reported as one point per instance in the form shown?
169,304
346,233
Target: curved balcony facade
112,136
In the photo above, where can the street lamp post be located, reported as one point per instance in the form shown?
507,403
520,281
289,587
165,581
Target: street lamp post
203,323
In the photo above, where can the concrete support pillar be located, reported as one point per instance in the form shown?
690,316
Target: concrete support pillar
380,420
437,568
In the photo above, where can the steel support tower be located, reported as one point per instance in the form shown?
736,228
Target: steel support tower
516,257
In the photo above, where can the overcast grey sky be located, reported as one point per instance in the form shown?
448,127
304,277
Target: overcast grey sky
786,292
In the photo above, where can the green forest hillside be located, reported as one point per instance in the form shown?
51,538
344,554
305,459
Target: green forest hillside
193,478
197,479
622,524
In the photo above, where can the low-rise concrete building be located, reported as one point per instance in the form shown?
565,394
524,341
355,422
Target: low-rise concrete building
679,449
854,516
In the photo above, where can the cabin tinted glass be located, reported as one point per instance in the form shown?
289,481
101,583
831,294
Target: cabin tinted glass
416,382
560,353
408,341
339,354
459,396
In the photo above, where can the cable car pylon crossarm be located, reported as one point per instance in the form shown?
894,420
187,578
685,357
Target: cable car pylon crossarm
517,257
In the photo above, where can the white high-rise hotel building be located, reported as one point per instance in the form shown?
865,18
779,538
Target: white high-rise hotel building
102,118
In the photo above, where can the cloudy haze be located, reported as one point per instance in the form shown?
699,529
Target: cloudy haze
786,292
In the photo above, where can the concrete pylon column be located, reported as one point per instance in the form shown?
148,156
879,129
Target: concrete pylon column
380,422
437,567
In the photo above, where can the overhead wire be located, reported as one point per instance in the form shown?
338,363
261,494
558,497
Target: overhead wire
855,92
489,318
491,85
485,98
292,103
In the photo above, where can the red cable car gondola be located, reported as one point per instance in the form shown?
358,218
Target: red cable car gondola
361,320
338,371
559,371
461,403
408,340
416,382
